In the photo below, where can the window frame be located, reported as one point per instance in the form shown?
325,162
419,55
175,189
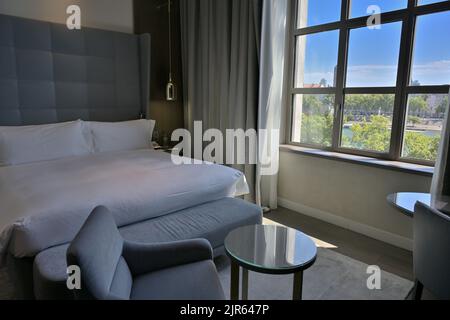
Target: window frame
402,90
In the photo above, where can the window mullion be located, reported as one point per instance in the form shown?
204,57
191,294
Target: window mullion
401,97
427,89
340,76
292,11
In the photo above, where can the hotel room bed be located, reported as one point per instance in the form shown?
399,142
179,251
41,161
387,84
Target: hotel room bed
44,204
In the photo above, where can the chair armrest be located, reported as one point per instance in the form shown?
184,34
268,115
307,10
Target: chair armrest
144,258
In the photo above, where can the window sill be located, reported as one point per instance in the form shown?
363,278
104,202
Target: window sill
366,161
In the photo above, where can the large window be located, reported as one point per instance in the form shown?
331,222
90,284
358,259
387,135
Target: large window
371,77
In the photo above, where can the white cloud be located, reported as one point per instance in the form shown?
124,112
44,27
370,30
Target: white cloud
315,77
436,72
372,76
432,73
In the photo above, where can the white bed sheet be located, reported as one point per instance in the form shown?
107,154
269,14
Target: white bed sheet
44,204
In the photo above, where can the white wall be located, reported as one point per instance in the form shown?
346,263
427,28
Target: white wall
115,15
350,195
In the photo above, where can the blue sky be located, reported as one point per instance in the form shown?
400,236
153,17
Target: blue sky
373,54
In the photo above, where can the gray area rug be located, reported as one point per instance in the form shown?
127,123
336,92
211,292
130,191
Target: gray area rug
333,277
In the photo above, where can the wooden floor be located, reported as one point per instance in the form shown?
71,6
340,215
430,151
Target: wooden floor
354,245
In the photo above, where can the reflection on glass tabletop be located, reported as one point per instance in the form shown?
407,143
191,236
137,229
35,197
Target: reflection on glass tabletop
271,248
406,201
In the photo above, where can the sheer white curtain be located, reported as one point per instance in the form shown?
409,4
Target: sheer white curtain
271,98
441,177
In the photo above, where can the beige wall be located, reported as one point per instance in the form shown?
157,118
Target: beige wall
115,15
351,195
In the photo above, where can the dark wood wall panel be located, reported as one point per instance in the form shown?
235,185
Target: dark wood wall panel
150,16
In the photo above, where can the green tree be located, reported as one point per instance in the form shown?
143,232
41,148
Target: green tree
417,104
421,146
443,106
370,103
317,129
311,104
317,119
414,120
371,135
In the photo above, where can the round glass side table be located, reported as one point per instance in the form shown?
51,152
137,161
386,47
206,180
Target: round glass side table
269,250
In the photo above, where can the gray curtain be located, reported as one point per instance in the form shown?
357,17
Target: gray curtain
220,54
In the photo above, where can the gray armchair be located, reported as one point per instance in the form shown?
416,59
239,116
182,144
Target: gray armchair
114,269
431,252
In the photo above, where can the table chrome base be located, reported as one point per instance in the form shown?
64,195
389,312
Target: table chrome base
235,276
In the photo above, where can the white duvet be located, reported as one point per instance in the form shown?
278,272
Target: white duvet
44,204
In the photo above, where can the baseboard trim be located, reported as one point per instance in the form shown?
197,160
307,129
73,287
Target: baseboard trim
348,224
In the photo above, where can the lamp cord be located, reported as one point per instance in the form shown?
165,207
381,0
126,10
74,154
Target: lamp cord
170,40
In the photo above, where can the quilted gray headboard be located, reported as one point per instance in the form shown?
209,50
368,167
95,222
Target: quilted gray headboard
51,74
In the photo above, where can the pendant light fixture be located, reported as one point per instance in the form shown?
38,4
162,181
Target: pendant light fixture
171,90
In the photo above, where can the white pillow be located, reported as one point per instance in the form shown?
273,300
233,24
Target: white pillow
26,144
122,136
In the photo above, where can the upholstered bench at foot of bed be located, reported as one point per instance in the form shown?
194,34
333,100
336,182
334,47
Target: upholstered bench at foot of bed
212,221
